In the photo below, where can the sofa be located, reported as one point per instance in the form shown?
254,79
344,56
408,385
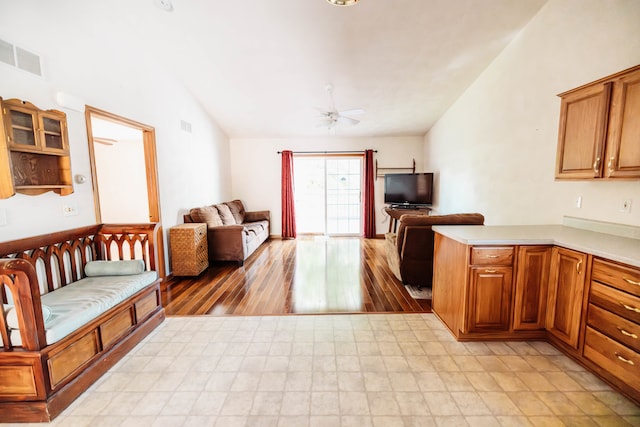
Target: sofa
73,304
233,233
410,251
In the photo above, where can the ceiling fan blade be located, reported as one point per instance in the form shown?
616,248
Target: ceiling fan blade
354,112
349,120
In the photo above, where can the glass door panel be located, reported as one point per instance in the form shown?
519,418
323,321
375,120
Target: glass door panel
309,194
328,195
23,127
343,195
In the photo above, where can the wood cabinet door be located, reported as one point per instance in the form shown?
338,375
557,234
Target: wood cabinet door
582,132
490,298
623,153
530,289
566,290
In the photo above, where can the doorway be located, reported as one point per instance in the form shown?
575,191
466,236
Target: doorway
328,195
124,172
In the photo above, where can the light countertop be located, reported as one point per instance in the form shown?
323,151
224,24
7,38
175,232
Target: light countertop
622,249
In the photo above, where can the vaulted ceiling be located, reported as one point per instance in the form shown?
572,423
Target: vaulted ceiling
260,67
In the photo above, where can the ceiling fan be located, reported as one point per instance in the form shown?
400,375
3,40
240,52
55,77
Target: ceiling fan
332,117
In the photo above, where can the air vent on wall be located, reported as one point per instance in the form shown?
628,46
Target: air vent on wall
20,58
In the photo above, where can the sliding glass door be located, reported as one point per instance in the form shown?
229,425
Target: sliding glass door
328,195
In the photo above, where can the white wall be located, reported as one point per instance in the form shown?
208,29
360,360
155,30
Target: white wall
115,75
495,148
255,166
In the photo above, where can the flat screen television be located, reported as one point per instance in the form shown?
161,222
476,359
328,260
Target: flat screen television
408,189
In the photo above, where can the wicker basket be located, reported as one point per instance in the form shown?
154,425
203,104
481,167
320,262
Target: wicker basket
189,255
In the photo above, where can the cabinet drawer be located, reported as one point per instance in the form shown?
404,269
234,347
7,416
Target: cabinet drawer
618,302
616,327
492,255
620,361
621,277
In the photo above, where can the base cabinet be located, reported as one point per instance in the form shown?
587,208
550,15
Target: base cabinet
612,336
490,288
586,306
497,304
566,294
530,288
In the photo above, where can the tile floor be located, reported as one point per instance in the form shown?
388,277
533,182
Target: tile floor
342,370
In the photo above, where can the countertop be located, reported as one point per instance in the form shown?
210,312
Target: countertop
622,249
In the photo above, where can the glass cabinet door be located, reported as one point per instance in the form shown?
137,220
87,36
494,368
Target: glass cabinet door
21,127
52,132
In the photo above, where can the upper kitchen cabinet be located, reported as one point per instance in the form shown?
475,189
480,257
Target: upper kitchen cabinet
599,133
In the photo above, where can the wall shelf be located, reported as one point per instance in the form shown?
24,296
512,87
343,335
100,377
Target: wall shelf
412,169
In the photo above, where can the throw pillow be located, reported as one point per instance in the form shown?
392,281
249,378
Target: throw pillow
225,214
114,268
12,315
237,210
206,214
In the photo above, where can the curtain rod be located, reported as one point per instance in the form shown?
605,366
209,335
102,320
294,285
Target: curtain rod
328,152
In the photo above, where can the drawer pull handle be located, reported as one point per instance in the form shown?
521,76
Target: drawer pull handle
628,334
628,307
631,282
490,271
625,360
492,256
578,266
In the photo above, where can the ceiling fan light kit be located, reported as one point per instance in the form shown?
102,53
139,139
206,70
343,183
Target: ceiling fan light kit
343,2
332,117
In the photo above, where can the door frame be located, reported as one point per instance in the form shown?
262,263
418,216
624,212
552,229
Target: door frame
151,165
326,156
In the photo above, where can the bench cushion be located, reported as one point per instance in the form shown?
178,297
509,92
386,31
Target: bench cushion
78,303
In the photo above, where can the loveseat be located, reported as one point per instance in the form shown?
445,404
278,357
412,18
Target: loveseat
232,233
410,251
73,304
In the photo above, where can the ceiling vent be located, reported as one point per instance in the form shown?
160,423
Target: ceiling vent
20,58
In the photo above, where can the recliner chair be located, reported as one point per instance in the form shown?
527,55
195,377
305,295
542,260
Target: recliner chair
410,251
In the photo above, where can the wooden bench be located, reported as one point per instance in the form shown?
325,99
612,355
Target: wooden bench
39,380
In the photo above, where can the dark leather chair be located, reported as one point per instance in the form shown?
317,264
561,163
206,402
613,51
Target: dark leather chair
410,251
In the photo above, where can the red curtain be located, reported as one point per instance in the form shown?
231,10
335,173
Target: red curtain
368,201
288,206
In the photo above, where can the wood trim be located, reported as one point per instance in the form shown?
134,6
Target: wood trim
602,80
151,163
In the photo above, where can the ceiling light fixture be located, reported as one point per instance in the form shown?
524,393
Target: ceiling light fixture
343,2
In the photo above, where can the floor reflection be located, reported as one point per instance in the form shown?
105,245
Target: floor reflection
327,275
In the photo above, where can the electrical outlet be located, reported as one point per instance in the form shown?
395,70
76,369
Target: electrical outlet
625,206
579,202
70,210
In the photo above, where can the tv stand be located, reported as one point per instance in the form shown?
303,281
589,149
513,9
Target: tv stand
396,211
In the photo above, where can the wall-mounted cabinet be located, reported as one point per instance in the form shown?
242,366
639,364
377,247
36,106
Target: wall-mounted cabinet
34,150
600,129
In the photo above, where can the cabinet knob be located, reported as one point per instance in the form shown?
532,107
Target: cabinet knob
596,165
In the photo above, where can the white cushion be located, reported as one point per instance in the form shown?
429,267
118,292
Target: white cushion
12,315
76,304
114,268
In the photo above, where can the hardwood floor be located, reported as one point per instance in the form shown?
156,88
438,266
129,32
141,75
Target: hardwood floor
302,276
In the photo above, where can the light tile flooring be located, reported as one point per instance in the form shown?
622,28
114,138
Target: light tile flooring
342,370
